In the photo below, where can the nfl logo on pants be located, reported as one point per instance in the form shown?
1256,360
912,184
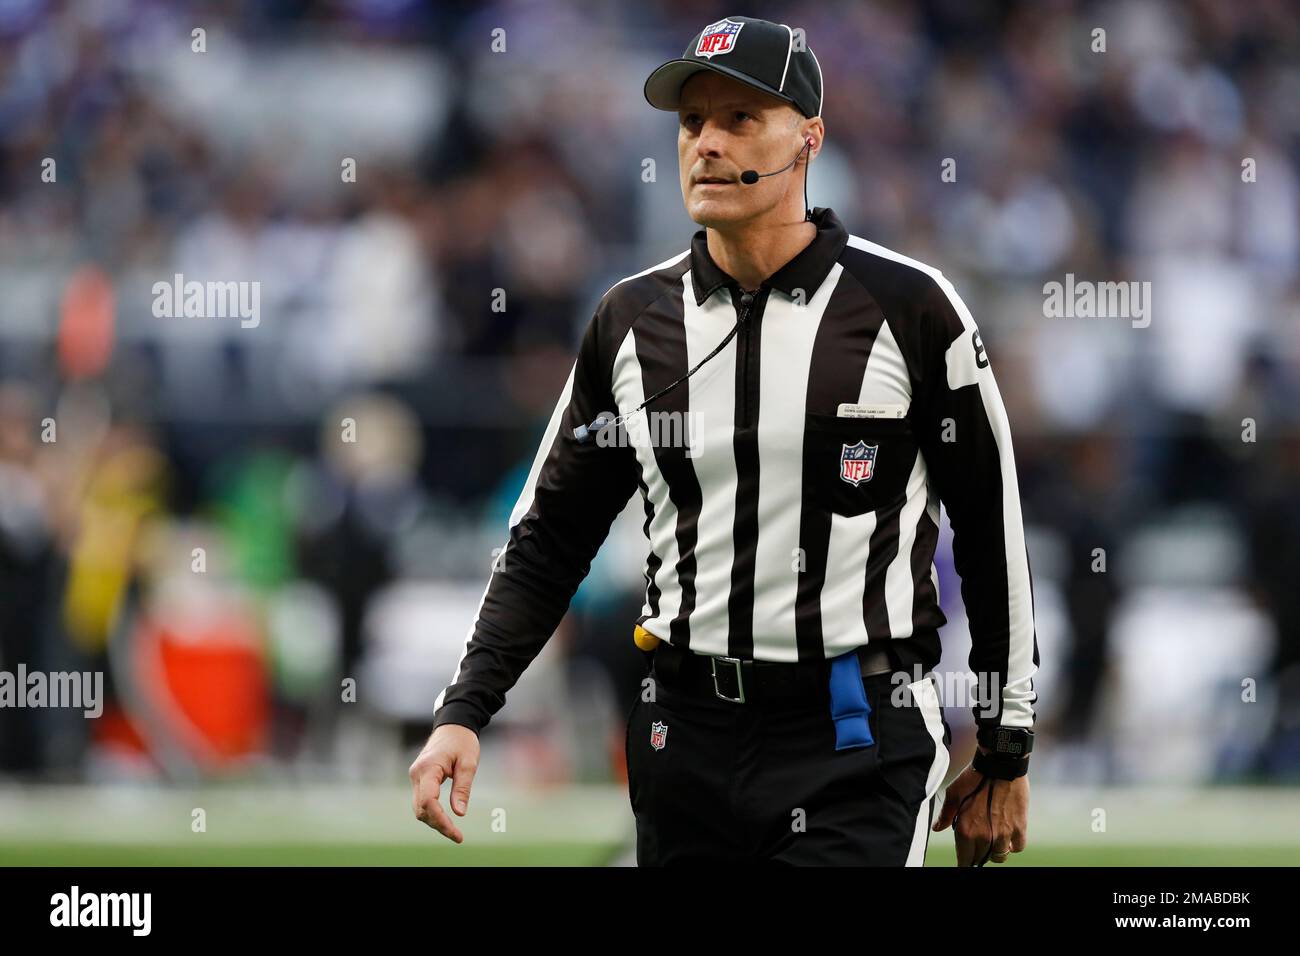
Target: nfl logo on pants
658,735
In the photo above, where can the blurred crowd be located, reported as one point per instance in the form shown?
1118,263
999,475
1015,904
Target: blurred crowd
243,524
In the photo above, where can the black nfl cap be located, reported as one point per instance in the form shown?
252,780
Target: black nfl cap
758,53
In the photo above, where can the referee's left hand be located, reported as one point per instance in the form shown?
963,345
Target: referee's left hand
1009,813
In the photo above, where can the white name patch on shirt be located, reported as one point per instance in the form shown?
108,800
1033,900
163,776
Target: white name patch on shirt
889,410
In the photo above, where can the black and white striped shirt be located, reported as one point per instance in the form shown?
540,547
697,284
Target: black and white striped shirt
794,514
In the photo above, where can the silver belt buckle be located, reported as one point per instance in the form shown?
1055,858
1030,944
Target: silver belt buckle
740,683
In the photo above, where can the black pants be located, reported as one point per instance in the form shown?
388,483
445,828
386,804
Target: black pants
727,783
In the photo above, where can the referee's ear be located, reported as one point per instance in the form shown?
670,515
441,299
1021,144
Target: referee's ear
815,129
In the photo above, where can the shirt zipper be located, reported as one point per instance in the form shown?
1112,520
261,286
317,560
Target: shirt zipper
747,302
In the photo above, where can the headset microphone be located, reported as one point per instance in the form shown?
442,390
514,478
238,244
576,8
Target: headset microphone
751,176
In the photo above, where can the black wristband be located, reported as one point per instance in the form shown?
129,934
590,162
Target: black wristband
999,766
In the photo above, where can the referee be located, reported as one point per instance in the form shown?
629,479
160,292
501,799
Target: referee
793,403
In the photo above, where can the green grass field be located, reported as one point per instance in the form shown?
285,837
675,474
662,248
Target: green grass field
566,855
324,854
582,826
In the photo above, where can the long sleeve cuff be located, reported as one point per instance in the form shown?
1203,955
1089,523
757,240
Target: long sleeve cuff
460,712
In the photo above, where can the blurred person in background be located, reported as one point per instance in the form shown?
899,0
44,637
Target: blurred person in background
30,566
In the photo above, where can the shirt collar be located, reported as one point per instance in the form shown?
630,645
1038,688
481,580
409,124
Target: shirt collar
805,271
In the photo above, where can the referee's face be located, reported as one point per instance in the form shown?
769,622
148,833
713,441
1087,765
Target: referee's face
725,127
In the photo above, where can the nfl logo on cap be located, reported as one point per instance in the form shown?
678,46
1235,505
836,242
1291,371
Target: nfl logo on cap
718,38
658,735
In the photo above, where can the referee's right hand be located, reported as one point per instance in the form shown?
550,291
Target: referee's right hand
451,751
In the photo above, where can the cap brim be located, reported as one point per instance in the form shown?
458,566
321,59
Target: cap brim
663,88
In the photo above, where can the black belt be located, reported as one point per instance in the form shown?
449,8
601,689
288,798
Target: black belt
748,681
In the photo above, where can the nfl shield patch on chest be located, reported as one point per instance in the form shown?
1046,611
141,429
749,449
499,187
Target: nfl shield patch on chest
658,735
857,462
